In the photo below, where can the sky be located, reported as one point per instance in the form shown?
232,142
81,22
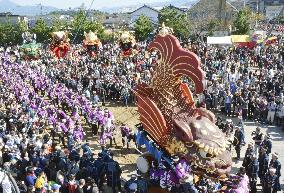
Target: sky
98,4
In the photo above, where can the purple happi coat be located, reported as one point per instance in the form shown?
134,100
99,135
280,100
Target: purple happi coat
63,127
168,179
155,174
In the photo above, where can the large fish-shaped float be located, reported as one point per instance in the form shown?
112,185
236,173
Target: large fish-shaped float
169,116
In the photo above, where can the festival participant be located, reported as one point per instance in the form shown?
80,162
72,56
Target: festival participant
127,135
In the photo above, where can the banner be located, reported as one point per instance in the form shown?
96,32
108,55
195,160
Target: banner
240,38
219,40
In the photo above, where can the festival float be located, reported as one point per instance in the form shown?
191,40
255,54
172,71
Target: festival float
127,44
60,44
30,50
182,141
91,43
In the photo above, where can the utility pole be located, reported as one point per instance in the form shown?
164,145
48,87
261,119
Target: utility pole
257,13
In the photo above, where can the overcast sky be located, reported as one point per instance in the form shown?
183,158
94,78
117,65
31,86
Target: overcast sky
98,4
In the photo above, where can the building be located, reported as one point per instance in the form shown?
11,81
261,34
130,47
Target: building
9,17
273,8
116,20
146,10
205,11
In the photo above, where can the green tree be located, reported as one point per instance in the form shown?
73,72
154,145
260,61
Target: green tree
212,25
11,34
6,33
143,27
19,29
41,30
81,24
58,24
241,22
175,20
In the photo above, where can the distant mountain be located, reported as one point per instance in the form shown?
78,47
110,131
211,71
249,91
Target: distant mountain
9,6
178,3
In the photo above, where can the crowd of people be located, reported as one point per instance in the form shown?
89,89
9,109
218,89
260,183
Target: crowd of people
49,106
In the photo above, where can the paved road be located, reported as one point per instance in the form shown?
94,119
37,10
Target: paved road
127,159
277,136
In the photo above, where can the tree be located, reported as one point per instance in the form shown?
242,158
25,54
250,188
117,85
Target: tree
11,34
81,24
41,30
6,31
58,24
241,23
175,20
213,23
19,29
143,27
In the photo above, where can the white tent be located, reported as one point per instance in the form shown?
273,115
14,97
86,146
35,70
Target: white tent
219,40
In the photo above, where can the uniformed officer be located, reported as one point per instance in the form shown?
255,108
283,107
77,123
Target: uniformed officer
269,183
131,185
99,171
113,173
142,184
238,141
274,163
267,144
263,161
257,137
253,168
247,158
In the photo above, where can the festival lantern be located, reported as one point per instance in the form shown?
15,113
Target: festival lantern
30,50
171,124
91,43
60,44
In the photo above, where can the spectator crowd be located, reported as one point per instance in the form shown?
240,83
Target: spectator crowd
49,107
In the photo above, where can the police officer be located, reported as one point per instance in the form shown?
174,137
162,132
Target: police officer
99,171
257,137
131,185
142,184
253,168
247,158
269,183
113,173
274,163
267,144
263,161
238,141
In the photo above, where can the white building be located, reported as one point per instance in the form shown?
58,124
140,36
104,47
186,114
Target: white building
148,11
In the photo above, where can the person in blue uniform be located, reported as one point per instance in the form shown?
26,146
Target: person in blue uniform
238,141
253,169
263,161
269,184
274,163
